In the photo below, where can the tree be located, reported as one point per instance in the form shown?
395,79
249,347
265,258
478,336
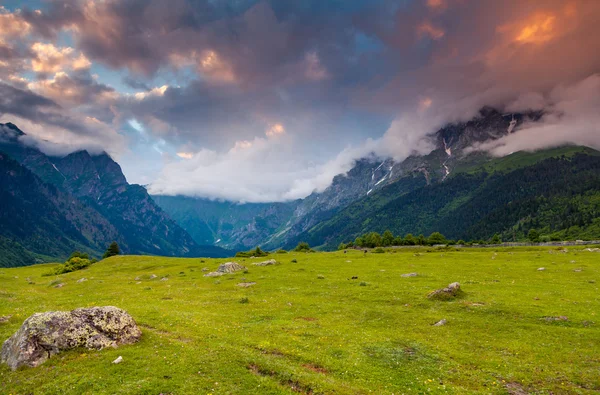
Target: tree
436,238
387,239
79,254
302,247
496,239
342,246
410,240
421,240
112,250
359,242
372,240
533,236
461,242
398,241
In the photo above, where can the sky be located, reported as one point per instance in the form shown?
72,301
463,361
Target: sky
268,100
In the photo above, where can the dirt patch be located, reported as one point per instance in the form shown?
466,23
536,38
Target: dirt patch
306,318
294,385
315,368
515,389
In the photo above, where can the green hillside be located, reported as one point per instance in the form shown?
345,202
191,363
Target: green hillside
308,328
556,192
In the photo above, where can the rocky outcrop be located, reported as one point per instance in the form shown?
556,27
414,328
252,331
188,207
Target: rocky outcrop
225,268
45,334
266,263
451,291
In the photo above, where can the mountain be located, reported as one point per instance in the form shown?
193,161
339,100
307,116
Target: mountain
556,192
369,197
93,202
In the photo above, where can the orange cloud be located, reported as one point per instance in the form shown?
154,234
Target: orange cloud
540,29
11,25
51,59
215,67
436,4
275,130
185,155
427,29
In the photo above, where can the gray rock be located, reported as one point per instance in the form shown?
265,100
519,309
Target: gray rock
409,275
451,291
45,334
246,285
82,280
5,319
441,323
118,360
164,279
214,274
230,267
59,285
266,263
153,276
541,269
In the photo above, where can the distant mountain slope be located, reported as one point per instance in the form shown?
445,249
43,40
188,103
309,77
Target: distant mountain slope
38,219
557,191
101,204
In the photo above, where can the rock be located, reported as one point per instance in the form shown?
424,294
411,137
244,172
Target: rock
164,279
5,319
541,269
59,285
45,334
230,267
577,270
246,285
82,280
451,291
205,269
266,263
153,276
440,323
118,360
409,275
138,278
214,274
559,318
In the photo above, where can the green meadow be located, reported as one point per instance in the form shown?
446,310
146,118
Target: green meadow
307,327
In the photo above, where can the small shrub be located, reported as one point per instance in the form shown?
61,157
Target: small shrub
294,261
281,252
321,277
246,271
244,300
74,264
363,284
378,250
303,247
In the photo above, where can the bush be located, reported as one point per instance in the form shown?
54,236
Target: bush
461,242
294,261
342,246
363,284
281,252
257,252
302,247
244,300
378,250
321,277
74,264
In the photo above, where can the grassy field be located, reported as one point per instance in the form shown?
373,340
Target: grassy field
307,327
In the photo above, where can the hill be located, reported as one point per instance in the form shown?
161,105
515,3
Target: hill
308,328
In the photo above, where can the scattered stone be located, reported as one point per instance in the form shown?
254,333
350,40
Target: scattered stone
573,261
138,278
266,263
593,249
440,323
153,276
60,285
205,269
409,275
118,360
541,269
5,319
559,318
451,291
577,270
164,279
246,285
230,267
138,282
82,280
45,334
214,274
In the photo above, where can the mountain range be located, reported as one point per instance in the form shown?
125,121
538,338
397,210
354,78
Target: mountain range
53,205
421,194
83,201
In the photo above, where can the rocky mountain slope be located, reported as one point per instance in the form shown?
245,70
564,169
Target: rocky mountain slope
93,196
274,225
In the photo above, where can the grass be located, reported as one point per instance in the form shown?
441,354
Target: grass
294,332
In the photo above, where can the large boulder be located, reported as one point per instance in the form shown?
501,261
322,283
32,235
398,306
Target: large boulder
45,334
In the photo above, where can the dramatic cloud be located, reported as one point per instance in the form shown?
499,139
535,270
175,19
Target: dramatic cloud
208,97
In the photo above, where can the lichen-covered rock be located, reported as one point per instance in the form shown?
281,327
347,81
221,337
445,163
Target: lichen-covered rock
266,263
451,291
230,267
45,334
